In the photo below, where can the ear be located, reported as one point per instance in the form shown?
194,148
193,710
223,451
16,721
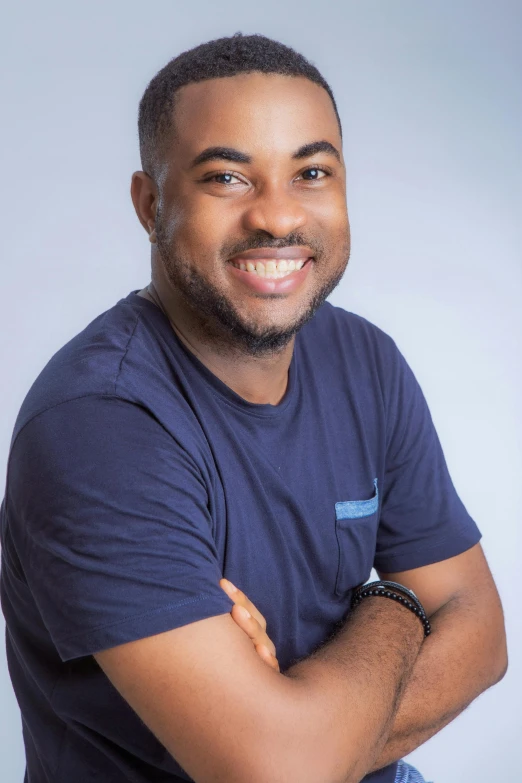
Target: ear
144,194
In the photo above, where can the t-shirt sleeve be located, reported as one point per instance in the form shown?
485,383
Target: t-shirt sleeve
118,534
422,520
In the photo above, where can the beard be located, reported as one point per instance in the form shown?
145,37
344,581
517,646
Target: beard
219,319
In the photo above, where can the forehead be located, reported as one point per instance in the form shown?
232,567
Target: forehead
254,111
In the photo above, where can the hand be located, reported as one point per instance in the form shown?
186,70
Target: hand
254,625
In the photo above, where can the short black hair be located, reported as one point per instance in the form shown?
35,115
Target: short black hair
219,58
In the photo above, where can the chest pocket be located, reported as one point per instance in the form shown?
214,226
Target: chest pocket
356,523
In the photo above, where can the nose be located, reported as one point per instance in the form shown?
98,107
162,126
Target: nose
276,212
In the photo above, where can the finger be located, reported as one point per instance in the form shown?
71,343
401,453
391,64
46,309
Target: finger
239,597
255,628
251,627
267,656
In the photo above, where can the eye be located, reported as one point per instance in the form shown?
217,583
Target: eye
313,173
224,178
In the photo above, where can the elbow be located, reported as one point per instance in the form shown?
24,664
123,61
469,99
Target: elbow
501,665
499,661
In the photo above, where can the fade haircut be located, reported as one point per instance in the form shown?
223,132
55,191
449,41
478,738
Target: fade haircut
212,60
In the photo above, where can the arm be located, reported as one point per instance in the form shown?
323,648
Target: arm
465,654
119,515
225,716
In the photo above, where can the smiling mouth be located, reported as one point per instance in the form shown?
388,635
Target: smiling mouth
272,269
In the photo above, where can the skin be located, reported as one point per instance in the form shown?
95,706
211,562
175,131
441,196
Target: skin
465,654
197,218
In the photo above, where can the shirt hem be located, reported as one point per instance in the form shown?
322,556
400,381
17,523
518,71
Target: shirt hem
428,555
141,626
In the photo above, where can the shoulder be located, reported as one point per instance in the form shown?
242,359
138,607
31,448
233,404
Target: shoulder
334,332
90,364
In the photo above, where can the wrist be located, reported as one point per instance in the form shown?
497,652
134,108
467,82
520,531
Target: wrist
397,635
399,594
395,619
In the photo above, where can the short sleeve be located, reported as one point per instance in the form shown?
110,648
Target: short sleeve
423,520
118,538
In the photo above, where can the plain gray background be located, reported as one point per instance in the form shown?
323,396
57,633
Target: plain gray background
430,99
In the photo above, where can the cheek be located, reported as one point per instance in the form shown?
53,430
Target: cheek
336,214
330,214
202,227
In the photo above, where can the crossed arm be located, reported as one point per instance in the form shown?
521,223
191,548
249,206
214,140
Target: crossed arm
465,654
366,698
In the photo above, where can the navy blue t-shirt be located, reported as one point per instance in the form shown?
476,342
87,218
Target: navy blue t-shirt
137,479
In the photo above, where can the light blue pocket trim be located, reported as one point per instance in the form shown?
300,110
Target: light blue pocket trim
355,509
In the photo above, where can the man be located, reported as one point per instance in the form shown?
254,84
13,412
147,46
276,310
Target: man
226,423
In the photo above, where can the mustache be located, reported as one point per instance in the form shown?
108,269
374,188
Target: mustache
259,241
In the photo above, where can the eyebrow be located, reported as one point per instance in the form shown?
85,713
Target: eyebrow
220,153
307,150
231,154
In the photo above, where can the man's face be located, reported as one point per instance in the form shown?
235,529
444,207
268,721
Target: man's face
251,224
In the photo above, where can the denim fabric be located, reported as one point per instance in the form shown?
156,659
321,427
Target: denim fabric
356,509
408,774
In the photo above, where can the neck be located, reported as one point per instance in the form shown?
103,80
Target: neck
257,379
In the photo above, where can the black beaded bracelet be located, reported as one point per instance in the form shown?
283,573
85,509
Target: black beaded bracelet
397,593
396,587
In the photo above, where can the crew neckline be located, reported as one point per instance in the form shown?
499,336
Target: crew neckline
228,395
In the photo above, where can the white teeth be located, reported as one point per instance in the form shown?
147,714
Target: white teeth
270,268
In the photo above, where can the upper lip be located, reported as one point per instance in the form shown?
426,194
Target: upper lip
272,252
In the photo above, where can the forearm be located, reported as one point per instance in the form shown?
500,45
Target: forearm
457,662
352,685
